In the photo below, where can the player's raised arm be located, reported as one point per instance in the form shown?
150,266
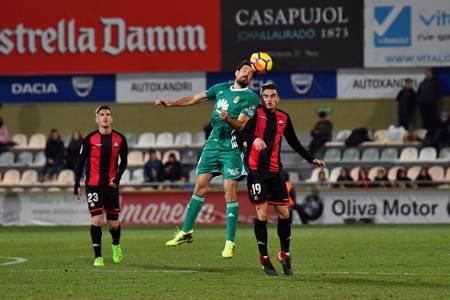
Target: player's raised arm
291,138
183,101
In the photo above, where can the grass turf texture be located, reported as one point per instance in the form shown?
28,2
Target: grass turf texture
330,262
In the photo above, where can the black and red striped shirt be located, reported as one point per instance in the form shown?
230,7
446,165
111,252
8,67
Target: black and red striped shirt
100,154
270,127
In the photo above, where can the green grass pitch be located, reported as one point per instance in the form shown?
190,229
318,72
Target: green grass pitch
330,262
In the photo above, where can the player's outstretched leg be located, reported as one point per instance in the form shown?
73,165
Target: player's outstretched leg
232,216
284,233
185,235
260,228
96,237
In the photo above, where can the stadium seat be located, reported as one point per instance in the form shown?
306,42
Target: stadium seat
168,152
354,173
147,155
146,140
427,154
66,140
189,157
126,177
315,174
192,176
183,139
138,176
341,137
332,155
135,158
413,172
392,173
290,160
305,139
198,139
420,133
6,159
29,177
444,154
373,172
437,173
389,154
37,141
396,135
164,139
334,174
447,176
11,177
350,155
409,154
370,154
293,177
39,159
24,159
20,139
66,177
132,139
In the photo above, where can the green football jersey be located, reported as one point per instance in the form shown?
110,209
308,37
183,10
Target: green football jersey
235,102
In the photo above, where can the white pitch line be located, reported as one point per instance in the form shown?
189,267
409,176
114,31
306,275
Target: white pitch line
376,273
15,260
97,269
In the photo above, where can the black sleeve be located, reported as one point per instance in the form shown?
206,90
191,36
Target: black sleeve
248,133
399,95
123,160
84,152
291,138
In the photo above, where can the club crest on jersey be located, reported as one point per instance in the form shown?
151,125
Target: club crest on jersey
116,144
236,100
222,104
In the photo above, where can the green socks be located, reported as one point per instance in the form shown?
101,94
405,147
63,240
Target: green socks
232,216
194,207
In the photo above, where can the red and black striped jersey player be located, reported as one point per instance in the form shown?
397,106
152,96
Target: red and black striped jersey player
262,138
101,152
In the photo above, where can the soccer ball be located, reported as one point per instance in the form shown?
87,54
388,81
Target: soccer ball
261,62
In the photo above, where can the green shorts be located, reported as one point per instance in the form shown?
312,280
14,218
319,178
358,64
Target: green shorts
228,163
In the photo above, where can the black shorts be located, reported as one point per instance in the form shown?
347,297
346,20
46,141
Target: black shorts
101,199
269,187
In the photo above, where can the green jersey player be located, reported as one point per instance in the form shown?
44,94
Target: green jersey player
234,105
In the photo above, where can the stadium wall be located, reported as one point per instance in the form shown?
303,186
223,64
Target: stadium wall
138,117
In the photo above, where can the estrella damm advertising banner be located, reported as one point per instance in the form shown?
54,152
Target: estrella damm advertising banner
307,34
84,36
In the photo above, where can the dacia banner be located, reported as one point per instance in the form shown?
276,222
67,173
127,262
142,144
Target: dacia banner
298,85
146,87
407,33
77,88
381,207
84,36
299,35
375,83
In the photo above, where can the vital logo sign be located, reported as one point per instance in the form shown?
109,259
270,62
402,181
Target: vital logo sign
392,26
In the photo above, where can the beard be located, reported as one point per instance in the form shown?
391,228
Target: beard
243,81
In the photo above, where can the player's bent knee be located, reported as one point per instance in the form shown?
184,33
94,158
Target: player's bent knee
97,220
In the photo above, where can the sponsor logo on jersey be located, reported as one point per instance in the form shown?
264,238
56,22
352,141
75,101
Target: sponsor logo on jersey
222,104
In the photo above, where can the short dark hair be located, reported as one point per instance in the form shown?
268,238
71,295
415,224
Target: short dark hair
268,86
152,151
98,109
322,114
408,80
244,63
